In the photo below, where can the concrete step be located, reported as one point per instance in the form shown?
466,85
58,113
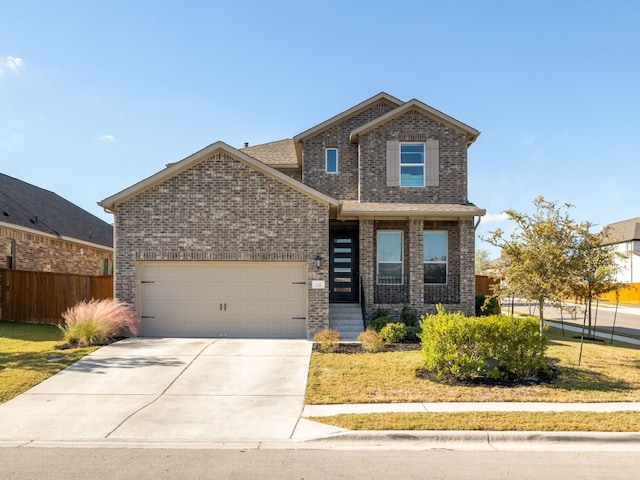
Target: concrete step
347,319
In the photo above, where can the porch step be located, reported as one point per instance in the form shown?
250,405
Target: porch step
347,319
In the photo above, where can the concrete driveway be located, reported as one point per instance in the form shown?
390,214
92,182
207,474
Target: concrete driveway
168,389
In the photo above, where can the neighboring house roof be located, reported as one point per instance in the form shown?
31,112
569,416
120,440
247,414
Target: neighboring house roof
201,155
27,206
382,96
470,133
278,154
624,231
354,208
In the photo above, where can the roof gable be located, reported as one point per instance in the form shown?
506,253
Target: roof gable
173,169
27,206
470,132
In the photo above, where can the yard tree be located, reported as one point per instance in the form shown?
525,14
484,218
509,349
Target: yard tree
594,267
536,258
482,261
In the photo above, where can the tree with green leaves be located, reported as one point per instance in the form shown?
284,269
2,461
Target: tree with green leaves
535,259
594,267
482,261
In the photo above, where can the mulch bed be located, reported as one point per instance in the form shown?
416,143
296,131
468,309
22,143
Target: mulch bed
350,348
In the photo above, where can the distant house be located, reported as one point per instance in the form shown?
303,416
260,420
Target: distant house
41,231
625,236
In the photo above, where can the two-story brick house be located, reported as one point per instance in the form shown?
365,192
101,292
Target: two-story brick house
368,208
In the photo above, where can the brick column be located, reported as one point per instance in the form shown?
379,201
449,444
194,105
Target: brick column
367,263
467,267
416,269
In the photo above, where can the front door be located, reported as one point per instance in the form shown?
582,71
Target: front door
344,277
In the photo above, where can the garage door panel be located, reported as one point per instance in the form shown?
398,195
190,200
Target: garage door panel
239,299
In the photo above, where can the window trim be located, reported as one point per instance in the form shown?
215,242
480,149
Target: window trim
326,160
439,262
401,261
423,164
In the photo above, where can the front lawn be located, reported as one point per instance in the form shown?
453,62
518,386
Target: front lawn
607,374
28,356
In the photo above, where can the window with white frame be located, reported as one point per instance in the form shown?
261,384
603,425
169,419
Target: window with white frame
436,256
390,267
412,164
331,160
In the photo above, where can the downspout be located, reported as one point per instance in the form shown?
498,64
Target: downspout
475,227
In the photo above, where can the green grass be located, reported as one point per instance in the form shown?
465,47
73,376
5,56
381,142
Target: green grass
490,421
607,374
28,356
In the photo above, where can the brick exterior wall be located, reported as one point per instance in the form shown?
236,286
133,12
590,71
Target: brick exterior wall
344,184
413,127
41,253
222,209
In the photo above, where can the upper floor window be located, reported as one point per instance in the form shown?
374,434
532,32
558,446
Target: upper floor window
331,160
390,257
412,165
436,256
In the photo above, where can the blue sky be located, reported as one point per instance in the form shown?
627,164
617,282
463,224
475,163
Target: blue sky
95,96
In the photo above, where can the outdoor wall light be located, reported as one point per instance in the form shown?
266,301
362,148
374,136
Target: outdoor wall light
318,259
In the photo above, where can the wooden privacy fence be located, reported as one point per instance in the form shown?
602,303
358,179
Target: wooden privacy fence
484,284
42,297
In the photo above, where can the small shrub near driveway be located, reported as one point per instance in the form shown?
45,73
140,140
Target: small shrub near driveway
98,322
496,347
371,341
327,339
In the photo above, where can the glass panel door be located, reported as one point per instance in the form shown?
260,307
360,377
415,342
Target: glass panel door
343,263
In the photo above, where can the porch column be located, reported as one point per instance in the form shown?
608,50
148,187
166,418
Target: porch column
367,263
416,268
467,267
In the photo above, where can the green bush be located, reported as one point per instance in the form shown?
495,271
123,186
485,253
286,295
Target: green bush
409,316
327,339
377,323
498,347
381,312
393,332
486,305
412,334
371,341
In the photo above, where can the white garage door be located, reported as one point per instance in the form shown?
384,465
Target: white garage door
219,299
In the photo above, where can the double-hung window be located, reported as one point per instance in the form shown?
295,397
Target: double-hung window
436,257
390,257
412,164
331,160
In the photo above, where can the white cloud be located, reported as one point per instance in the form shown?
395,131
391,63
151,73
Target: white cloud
107,138
10,63
495,218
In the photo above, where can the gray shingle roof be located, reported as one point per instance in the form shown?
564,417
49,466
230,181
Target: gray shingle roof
26,205
623,231
281,153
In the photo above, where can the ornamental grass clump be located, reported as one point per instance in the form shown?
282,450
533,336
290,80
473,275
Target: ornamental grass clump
371,341
98,322
328,340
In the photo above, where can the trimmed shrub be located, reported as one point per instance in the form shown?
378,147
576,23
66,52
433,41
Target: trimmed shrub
409,316
381,312
378,323
486,305
371,341
393,332
327,339
497,347
98,322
